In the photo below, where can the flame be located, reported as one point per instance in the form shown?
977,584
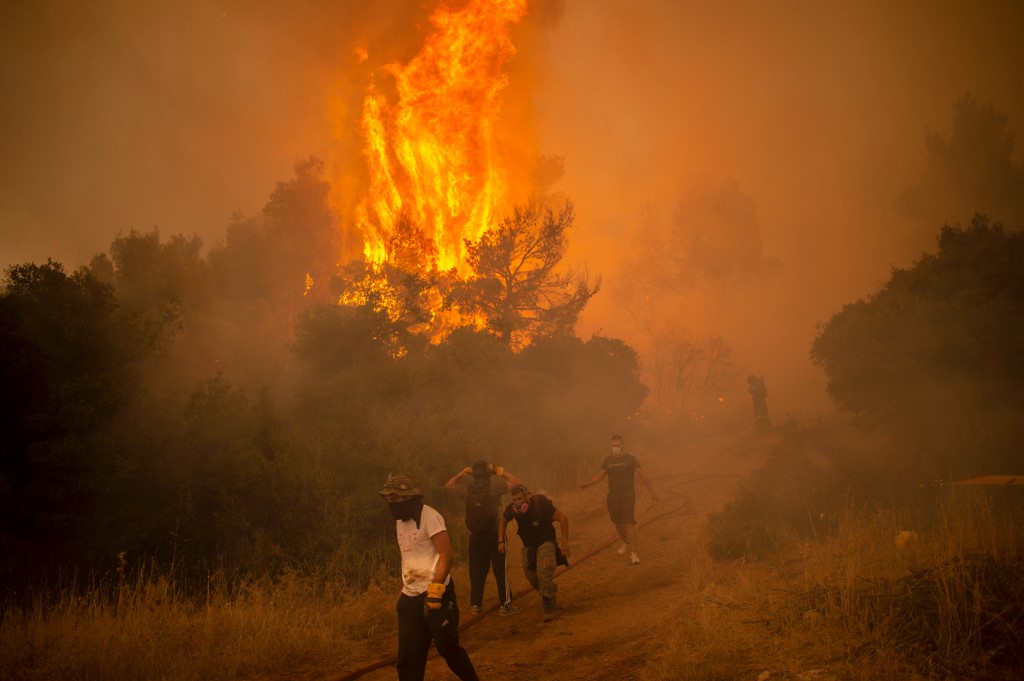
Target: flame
433,158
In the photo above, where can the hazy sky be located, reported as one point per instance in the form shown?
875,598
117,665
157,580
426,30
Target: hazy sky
124,115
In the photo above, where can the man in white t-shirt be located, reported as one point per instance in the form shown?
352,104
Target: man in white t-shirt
427,610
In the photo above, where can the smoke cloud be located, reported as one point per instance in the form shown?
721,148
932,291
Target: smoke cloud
766,144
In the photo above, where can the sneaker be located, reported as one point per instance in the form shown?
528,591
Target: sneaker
634,559
474,610
623,549
549,615
508,609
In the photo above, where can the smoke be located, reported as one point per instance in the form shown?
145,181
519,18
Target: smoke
174,115
814,118
768,143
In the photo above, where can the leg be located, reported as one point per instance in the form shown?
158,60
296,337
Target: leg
479,560
630,534
531,575
444,629
546,564
413,638
614,504
498,565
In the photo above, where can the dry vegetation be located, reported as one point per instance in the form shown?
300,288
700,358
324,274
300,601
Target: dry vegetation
934,591
868,601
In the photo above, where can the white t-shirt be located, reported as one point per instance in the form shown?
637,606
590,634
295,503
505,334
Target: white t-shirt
419,555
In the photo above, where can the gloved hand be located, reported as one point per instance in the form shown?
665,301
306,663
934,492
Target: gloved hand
434,593
499,470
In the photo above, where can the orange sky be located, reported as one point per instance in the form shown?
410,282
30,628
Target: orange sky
122,115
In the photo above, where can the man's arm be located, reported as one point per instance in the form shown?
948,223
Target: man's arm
563,523
647,483
450,486
601,475
511,479
443,544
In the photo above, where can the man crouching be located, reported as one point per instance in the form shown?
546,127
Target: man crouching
534,515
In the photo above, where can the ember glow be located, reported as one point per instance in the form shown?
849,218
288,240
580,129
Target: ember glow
433,158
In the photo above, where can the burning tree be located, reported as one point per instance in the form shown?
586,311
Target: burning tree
441,170
515,287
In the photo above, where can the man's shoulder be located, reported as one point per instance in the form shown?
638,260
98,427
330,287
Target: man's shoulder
544,501
431,520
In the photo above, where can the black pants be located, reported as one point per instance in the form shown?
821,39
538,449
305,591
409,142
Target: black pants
416,630
483,556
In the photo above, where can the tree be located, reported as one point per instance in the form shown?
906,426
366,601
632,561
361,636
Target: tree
163,284
970,171
688,375
269,259
934,358
515,286
69,365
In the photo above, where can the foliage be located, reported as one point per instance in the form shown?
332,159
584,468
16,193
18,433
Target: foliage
515,286
269,259
934,357
797,494
69,361
971,171
225,414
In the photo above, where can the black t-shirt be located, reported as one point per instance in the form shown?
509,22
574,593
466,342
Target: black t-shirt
620,475
535,525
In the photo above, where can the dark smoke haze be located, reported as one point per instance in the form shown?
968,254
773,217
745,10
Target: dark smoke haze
783,131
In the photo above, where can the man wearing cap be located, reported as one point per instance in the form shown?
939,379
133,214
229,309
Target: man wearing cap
483,496
427,609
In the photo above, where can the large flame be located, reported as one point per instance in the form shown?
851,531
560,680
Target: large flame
434,160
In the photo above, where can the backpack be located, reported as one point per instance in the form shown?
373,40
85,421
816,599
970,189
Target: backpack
481,506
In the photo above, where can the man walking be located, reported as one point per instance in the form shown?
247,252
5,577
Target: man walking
534,515
619,468
483,495
427,610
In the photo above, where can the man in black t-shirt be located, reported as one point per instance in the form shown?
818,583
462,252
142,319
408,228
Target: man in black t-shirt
534,515
620,468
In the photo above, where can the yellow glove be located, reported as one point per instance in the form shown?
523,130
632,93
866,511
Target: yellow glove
499,471
434,593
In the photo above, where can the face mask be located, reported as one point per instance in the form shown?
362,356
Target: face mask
408,509
521,508
616,450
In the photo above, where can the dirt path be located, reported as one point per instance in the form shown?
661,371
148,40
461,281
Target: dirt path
610,613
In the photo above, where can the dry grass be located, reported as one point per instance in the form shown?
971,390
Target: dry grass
149,631
858,604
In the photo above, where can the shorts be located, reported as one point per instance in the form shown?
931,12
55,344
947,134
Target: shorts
621,510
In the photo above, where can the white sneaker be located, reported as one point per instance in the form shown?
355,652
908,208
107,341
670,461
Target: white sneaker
623,549
634,559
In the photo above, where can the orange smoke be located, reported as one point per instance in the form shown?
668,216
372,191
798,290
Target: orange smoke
434,162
